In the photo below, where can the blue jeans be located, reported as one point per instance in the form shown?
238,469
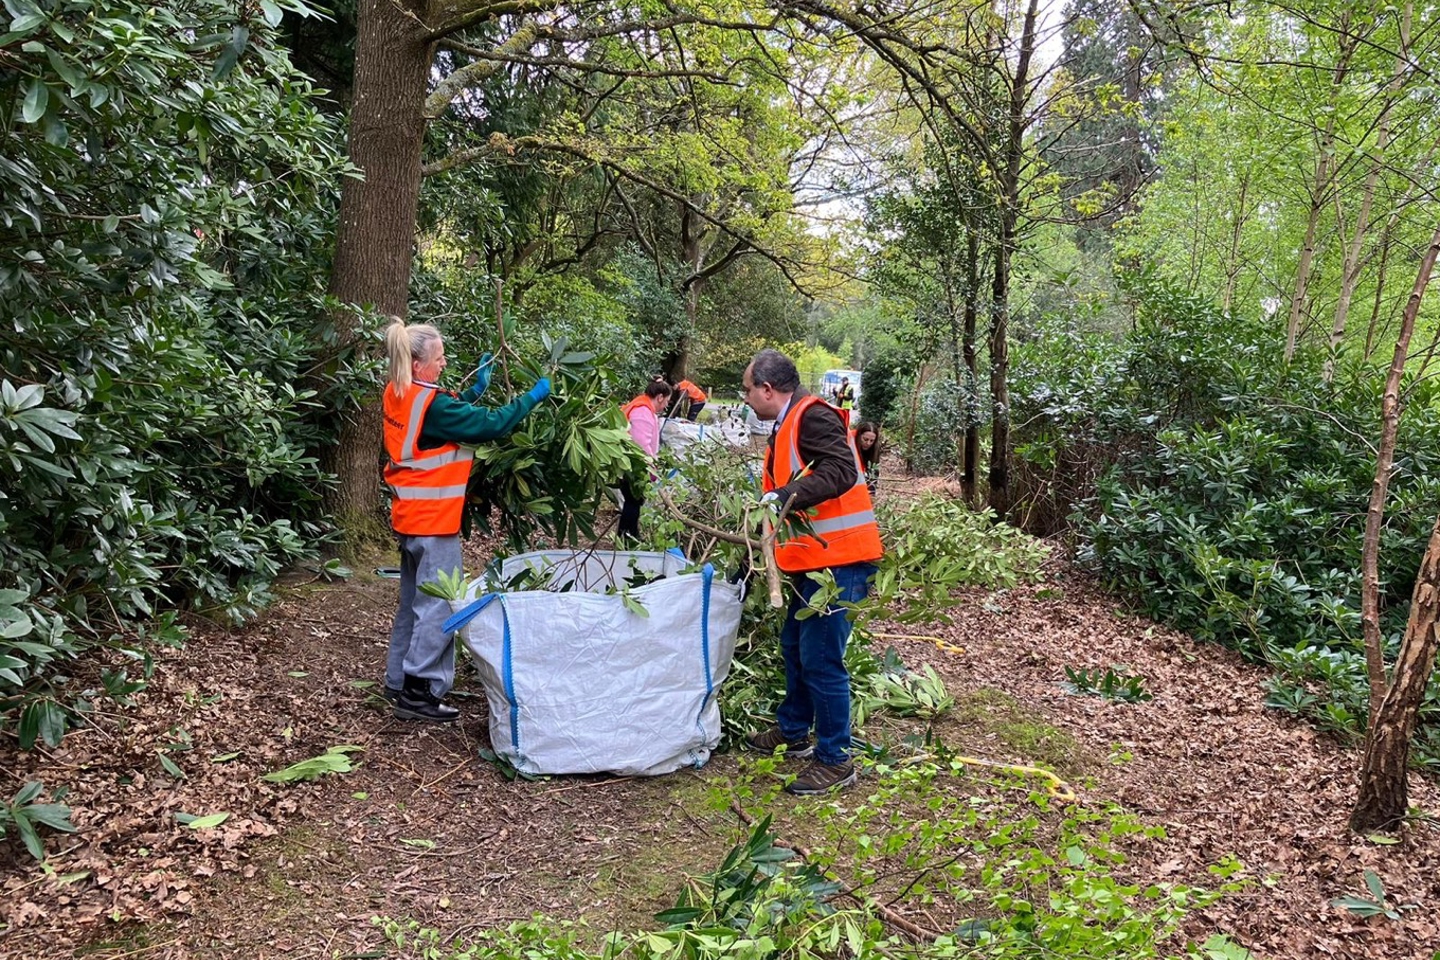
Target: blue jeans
817,685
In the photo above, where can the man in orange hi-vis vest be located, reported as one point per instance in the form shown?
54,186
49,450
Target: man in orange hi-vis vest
812,465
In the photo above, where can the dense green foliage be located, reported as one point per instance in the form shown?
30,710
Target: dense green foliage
550,476
1028,884
166,202
934,546
1225,492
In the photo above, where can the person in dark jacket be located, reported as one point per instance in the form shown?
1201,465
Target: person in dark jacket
811,466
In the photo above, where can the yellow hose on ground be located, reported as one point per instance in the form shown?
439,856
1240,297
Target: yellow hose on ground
943,645
1057,788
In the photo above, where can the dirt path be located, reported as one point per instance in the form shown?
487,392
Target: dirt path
424,828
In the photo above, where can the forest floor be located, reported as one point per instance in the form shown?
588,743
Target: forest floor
424,828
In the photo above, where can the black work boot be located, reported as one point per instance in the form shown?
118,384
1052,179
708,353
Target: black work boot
416,702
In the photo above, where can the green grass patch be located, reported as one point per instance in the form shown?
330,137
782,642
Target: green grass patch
995,716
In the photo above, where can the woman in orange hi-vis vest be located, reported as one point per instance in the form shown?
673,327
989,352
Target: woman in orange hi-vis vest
643,415
812,465
425,427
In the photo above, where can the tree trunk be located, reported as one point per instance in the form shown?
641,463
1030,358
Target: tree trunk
953,311
375,242
1307,251
1383,798
1384,460
1233,262
999,477
1325,170
1009,218
1372,330
970,461
1351,268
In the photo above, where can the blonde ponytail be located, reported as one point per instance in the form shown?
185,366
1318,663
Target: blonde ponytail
404,344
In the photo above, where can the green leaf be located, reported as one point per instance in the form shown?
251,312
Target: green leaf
171,767
1377,889
30,835
204,823
678,915
16,629
225,757
27,22
1358,906
1382,840
44,720
272,13
37,99
53,815
230,53
333,760
420,843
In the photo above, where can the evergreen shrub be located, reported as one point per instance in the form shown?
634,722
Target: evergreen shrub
167,197
1224,491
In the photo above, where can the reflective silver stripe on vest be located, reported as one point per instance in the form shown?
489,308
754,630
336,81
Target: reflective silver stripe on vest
845,522
412,426
428,493
435,460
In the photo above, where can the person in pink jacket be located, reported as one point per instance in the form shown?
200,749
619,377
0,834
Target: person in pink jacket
644,415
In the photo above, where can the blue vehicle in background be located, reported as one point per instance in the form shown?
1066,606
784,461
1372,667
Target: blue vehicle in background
829,384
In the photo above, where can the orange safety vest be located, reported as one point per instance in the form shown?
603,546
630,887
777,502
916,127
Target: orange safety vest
845,528
427,486
695,394
640,401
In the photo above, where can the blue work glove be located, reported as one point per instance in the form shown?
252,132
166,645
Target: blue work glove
541,390
483,373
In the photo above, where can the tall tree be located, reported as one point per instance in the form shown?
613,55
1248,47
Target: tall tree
1395,708
1106,155
1293,147
400,87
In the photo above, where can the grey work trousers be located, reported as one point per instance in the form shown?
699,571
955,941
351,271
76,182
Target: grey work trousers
418,647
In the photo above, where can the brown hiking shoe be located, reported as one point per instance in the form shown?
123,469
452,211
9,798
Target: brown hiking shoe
768,741
822,778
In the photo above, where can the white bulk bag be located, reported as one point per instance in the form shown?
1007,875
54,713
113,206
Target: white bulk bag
684,437
579,683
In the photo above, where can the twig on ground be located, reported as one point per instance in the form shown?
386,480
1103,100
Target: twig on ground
444,776
586,785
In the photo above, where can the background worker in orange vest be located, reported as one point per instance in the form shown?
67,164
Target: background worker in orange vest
643,414
427,473
687,392
811,458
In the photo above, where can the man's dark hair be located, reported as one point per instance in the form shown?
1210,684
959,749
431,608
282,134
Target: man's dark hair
776,369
